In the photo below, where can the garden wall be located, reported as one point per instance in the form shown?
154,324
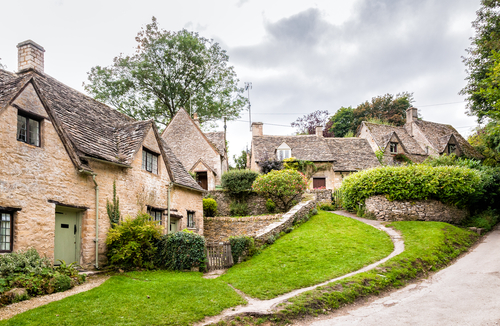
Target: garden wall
322,195
256,203
221,228
419,210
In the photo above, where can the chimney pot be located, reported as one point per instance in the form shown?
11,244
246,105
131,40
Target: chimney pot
319,131
257,129
30,55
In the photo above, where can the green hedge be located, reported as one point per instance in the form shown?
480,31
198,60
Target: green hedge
238,183
180,251
209,207
449,184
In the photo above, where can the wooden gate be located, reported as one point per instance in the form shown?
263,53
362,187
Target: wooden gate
219,256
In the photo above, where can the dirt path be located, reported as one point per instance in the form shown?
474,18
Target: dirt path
267,306
465,293
20,307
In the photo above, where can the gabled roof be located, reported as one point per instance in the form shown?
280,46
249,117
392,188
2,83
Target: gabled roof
303,147
438,135
205,164
217,139
383,133
352,154
87,127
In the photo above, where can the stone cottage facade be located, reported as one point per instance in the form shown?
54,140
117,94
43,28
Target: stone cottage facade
417,139
335,158
201,153
61,151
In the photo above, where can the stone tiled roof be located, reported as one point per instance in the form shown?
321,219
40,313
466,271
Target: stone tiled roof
89,128
383,133
352,154
439,134
6,75
217,139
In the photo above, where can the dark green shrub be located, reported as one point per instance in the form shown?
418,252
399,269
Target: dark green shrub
131,243
180,251
268,165
270,206
34,284
238,183
238,209
28,262
449,184
327,207
486,220
209,207
61,283
240,245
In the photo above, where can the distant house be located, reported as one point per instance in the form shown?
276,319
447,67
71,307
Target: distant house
201,153
338,157
417,139
61,151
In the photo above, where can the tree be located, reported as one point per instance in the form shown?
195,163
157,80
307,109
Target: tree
169,70
308,123
241,161
486,140
388,108
342,121
481,59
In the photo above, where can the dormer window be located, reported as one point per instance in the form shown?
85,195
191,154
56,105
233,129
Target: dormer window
393,148
28,130
283,152
149,161
452,148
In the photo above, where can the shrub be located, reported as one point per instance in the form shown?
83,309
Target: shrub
28,262
270,206
327,207
486,220
238,183
281,186
268,165
209,207
61,283
131,243
180,251
238,209
450,185
240,245
113,208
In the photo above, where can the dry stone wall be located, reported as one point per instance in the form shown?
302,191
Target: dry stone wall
256,203
322,195
419,210
221,228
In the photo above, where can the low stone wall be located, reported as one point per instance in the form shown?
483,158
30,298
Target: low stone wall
322,195
419,210
221,228
256,203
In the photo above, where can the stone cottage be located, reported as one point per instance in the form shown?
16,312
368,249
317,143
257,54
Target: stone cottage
201,153
61,151
335,158
417,139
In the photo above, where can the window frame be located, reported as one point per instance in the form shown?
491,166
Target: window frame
395,144
319,178
145,153
190,220
284,154
29,118
11,242
454,149
155,213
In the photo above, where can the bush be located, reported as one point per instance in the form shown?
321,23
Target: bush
327,207
209,207
451,185
26,262
180,251
238,209
238,183
270,206
281,186
486,220
240,245
61,283
267,165
131,243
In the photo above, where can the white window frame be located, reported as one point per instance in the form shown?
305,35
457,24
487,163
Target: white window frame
283,152
395,151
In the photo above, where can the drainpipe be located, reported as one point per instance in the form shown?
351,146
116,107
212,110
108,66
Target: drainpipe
96,240
169,192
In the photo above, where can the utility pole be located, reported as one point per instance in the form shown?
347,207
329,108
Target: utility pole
248,87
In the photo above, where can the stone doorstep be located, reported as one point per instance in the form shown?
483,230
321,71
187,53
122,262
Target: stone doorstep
89,273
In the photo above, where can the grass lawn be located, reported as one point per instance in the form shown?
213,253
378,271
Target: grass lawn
176,298
327,246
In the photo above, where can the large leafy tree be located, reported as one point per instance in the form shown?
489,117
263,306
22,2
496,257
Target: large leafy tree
343,122
481,60
307,124
169,70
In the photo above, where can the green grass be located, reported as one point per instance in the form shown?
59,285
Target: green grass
429,246
176,298
327,246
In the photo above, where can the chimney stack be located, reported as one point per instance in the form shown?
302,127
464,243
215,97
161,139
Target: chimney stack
411,114
30,55
319,131
257,129
196,119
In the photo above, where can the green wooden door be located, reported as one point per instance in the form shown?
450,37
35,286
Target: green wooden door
173,226
67,236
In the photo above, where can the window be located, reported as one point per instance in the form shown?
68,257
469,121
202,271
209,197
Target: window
6,232
319,183
149,161
283,152
190,221
394,148
156,214
451,148
28,130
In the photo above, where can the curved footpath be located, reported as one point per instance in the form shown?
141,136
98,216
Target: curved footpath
465,293
267,306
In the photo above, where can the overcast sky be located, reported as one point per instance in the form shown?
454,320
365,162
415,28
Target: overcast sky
300,56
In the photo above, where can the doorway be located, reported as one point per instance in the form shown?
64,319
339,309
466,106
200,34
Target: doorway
174,226
67,235
202,179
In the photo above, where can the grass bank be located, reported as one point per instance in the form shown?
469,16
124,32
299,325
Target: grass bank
326,247
138,298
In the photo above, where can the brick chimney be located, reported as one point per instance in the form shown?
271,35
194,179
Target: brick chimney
196,119
257,129
411,114
30,55
319,131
